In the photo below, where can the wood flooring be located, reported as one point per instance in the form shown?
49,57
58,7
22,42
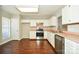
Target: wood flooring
27,46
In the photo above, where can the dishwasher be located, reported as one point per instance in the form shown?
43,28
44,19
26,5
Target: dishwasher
59,44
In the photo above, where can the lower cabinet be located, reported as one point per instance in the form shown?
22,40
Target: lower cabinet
32,34
77,48
71,47
51,38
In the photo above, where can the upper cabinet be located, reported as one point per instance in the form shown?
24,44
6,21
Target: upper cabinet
70,14
53,21
65,15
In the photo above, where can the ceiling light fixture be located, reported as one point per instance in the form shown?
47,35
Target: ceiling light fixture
28,8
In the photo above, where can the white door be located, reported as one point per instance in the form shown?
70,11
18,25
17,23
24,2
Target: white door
25,30
5,28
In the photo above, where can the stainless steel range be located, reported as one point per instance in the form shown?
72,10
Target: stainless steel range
39,33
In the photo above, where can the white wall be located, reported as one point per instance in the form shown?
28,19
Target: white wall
15,28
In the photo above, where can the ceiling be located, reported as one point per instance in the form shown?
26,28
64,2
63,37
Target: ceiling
45,11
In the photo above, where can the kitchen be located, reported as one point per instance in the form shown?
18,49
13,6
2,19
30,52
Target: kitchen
60,25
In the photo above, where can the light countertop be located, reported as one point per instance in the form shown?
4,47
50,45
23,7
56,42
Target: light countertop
70,36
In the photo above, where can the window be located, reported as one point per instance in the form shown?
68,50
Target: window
5,28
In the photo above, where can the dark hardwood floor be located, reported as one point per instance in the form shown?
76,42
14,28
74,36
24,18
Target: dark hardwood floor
27,46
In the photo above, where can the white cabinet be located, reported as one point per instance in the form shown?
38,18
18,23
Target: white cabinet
70,14
74,13
45,34
32,34
71,47
77,48
53,21
65,15
51,38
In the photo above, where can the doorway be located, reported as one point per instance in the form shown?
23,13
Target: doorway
25,29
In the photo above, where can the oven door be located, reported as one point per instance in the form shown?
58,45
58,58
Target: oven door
39,34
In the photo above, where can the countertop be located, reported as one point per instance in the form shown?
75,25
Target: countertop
70,36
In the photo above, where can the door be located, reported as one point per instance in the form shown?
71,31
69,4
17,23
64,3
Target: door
25,30
5,28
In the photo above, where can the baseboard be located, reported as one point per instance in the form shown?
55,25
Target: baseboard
3,42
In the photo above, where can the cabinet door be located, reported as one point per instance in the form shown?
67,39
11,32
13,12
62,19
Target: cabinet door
45,34
70,14
74,14
69,46
51,38
32,34
65,15
53,21
77,48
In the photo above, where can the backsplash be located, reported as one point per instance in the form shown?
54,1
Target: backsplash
73,28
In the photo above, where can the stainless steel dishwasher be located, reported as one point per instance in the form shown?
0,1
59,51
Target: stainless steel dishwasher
59,44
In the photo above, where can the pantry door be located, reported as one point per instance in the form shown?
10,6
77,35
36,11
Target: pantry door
25,30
